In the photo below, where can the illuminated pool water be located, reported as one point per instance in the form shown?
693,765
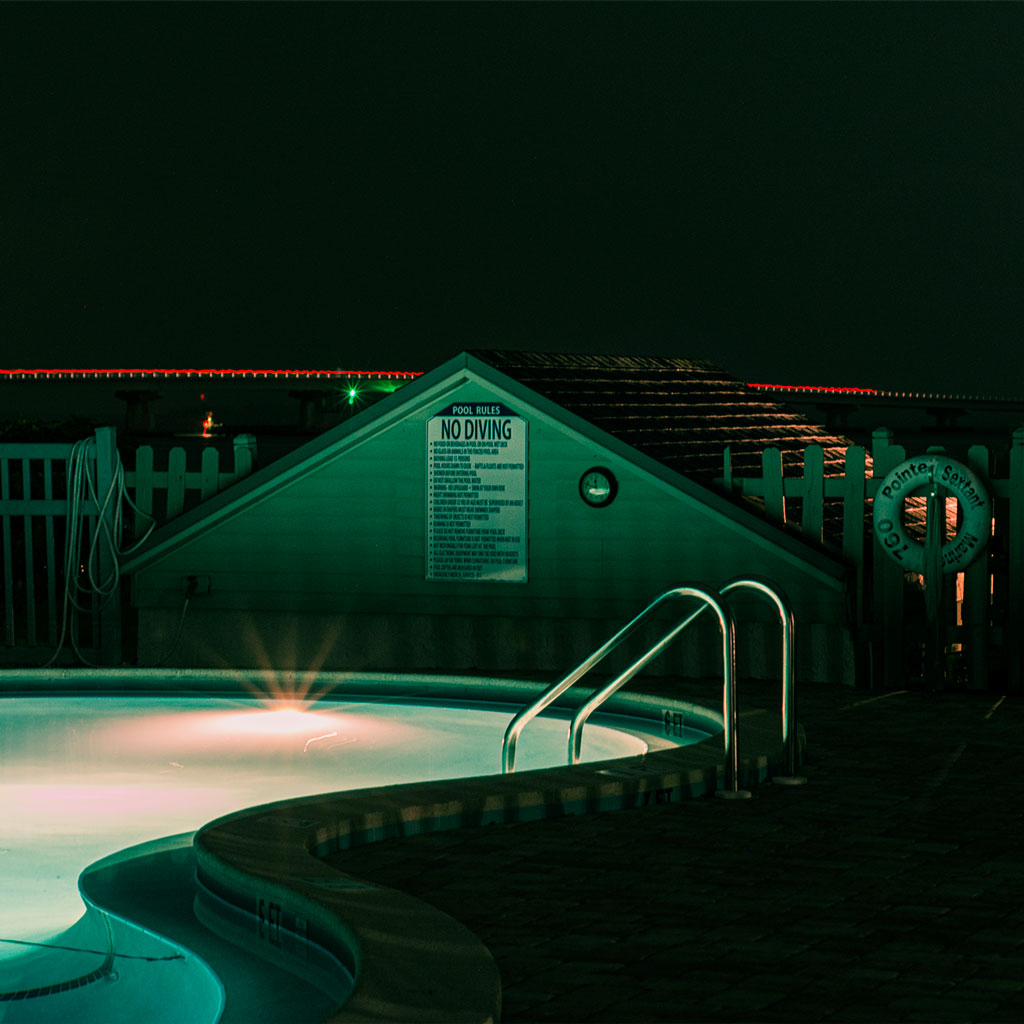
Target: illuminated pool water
85,776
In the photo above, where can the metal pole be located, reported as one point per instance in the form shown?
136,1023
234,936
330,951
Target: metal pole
584,712
107,523
729,710
935,535
527,714
788,673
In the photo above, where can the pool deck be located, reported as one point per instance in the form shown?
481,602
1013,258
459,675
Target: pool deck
890,887
267,878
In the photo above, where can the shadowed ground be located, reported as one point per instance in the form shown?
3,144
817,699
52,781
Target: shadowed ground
890,887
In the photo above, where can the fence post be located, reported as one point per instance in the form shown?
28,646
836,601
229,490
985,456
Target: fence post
1015,542
853,524
774,488
934,671
110,612
888,664
143,496
53,574
7,554
209,475
977,608
812,517
175,482
245,455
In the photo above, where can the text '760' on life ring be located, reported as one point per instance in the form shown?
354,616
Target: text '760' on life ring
961,482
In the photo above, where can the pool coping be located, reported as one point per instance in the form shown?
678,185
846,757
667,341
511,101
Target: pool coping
264,885
411,962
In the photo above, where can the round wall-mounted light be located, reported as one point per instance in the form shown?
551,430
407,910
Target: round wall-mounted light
598,487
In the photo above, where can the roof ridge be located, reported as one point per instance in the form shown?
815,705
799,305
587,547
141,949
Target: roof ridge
500,358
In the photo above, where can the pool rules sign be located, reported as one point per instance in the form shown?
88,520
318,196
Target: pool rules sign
476,494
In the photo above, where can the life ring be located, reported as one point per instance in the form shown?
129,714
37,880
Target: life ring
965,486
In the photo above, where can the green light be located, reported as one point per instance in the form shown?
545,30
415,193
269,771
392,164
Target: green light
351,395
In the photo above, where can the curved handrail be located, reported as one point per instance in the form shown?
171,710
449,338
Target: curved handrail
725,621
584,711
775,594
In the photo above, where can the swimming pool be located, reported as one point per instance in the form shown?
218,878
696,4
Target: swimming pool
90,773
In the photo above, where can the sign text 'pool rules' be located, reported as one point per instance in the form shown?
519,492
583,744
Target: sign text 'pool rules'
476,494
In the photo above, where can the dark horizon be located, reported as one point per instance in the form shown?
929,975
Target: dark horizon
801,194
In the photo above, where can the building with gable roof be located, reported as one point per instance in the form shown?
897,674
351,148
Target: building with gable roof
504,512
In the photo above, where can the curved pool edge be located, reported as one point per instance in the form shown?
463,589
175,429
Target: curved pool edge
293,684
206,995
411,962
151,969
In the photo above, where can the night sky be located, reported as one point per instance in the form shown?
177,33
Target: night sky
808,193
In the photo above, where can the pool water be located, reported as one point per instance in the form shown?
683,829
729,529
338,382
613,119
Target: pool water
83,777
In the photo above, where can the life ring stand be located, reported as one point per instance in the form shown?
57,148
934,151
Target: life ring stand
964,485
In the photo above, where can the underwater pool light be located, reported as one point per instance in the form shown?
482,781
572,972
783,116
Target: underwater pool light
287,721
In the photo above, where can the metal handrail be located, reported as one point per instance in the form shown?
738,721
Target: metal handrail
777,596
788,675
728,629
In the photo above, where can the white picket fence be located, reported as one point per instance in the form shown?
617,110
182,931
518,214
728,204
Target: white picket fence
168,492
33,520
983,607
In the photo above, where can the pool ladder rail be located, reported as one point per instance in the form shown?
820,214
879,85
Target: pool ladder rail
727,628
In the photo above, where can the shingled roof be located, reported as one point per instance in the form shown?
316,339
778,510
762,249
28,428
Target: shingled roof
677,415
682,412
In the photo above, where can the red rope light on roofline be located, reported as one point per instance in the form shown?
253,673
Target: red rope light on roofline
929,396
819,389
285,374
